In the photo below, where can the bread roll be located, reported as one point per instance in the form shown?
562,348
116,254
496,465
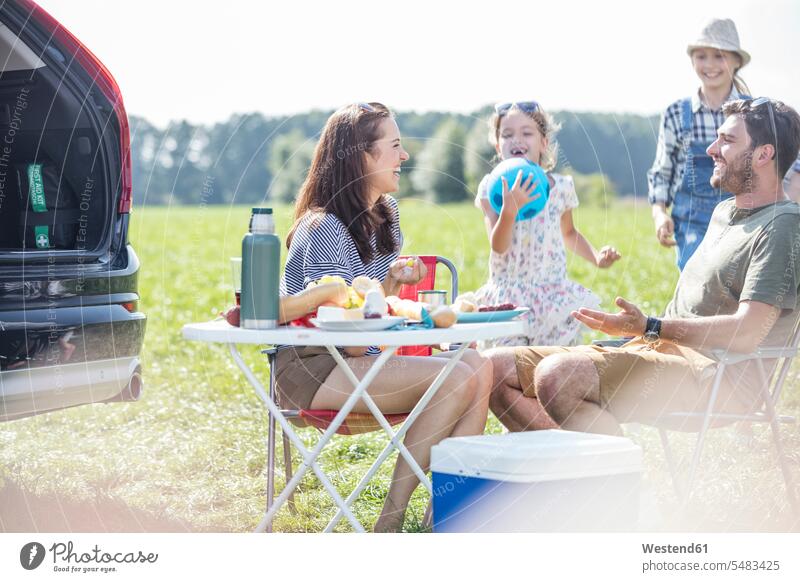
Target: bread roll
363,285
464,306
443,316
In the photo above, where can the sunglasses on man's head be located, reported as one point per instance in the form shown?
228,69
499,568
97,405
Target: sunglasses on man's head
526,106
755,103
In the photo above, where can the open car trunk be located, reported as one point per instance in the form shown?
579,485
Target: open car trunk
59,156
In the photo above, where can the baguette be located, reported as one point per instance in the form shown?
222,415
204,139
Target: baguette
405,307
296,306
441,316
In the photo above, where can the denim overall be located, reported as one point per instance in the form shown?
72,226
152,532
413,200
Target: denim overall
695,199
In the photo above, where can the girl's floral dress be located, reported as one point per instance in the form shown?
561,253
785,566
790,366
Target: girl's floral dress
533,273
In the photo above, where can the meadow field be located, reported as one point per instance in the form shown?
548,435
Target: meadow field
191,454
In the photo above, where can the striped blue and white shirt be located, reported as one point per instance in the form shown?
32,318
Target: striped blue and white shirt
322,245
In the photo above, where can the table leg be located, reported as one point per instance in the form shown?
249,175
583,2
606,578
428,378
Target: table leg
270,452
287,468
395,438
309,458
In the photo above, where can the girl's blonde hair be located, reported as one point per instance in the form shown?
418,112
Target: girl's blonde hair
741,86
548,127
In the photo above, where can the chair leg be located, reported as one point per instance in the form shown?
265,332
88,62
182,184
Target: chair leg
271,357
287,466
787,474
701,436
698,451
670,461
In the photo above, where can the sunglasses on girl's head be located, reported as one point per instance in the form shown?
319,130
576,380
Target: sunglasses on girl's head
367,107
526,106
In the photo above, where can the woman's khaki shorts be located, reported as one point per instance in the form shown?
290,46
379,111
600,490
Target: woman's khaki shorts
301,371
641,383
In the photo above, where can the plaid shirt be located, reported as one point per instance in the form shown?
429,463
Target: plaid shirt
665,177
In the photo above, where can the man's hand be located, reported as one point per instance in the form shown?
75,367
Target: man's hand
606,257
629,321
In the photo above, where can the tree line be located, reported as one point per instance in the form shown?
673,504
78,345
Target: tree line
252,159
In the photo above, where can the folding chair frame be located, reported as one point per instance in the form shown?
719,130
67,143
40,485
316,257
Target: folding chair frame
453,275
767,415
395,439
310,457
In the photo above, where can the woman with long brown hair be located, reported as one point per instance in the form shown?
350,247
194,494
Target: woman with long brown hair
346,224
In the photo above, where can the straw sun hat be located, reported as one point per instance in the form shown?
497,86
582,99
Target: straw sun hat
720,33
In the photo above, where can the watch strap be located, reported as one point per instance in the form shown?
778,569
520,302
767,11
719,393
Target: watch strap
653,326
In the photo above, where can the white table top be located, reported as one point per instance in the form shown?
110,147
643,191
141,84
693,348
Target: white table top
220,331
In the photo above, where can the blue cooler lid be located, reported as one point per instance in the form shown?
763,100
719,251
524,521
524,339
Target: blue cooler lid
545,455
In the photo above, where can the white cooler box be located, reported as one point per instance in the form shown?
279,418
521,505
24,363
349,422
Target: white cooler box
540,481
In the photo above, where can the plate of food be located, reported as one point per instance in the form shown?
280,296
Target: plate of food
365,308
371,315
491,316
375,324
469,311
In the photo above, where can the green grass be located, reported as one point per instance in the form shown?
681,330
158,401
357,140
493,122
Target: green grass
191,453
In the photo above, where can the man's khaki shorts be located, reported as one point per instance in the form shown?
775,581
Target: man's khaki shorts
639,383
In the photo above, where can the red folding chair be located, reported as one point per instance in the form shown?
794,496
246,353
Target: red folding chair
427,284
356,422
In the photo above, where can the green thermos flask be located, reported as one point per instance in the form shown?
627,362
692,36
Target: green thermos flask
261,271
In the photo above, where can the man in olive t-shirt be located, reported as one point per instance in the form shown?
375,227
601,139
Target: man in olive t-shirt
747,255
738,291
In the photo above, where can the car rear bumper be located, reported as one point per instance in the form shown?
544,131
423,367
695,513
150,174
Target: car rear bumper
33,391
69,341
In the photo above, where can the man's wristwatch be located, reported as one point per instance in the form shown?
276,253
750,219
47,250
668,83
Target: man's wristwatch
652,330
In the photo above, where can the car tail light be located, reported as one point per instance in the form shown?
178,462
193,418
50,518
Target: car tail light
131,306
103,79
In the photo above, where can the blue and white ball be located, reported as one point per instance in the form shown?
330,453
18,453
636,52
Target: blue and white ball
509,169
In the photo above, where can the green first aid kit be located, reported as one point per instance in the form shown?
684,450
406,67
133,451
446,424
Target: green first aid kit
49,216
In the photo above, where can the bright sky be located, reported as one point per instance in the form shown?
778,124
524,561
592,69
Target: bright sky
205,60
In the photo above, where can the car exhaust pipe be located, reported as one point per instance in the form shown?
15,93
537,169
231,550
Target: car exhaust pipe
132,390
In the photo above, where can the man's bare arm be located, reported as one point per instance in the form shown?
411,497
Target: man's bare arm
741,332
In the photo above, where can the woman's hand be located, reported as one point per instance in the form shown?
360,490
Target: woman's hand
606,257
629,321
408,271
519,194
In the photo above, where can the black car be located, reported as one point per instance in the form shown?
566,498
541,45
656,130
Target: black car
70,327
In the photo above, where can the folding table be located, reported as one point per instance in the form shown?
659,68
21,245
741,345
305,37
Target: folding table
220,331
